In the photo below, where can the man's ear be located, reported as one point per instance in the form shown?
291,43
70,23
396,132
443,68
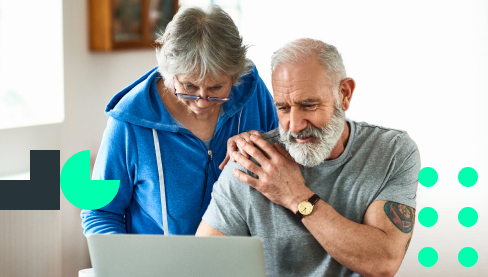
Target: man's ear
345,92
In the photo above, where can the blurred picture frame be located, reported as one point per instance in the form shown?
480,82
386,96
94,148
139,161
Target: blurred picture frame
127,24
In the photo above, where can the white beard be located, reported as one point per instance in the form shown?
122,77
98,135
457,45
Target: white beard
318,149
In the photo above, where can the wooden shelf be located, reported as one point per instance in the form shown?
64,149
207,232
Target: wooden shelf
127,24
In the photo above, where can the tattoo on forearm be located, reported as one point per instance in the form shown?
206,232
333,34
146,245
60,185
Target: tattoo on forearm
400,215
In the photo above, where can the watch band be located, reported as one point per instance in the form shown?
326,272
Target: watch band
313,200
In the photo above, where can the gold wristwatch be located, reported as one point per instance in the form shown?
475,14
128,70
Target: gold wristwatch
306,207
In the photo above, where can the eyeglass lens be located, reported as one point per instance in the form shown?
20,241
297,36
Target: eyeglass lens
196,97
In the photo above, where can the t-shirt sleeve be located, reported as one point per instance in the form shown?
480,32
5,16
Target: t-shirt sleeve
401,186
227,210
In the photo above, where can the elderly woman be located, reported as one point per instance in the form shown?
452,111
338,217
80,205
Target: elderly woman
167,132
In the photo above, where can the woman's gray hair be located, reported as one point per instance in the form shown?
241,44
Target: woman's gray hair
201,43
300,50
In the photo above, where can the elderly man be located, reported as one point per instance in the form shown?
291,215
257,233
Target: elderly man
339,201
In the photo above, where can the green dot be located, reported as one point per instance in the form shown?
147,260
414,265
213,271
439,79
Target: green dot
467,257
428,177
428,256
468,177
428,217
468,217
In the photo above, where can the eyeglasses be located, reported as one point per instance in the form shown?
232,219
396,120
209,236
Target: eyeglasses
208,98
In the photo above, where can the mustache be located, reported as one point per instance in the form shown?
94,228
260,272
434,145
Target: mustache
309,131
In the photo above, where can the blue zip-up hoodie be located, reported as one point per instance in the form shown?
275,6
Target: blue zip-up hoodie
127,153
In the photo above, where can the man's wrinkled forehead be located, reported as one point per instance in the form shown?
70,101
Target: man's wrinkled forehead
286,101
297,74
301,81
290,85
300,94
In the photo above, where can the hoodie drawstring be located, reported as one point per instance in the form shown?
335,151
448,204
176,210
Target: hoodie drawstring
161,184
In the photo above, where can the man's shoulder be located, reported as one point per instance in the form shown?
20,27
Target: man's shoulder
272,136
228,183
227,178
377,129
382,136
385,147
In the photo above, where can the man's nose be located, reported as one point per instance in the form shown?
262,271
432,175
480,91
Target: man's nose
297,121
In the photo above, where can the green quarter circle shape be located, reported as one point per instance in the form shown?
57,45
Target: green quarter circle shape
468,257
428,177
428,217
82,192
428,257
468,217
468,177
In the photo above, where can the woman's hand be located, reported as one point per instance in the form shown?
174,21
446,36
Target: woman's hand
279,177
232,145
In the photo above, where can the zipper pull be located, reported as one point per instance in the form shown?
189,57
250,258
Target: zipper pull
210,154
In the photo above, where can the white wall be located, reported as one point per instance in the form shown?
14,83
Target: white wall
51,243
91,80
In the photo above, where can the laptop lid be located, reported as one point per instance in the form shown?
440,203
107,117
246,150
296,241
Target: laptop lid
153,255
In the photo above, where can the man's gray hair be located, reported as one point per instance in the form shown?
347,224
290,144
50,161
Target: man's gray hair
201,43
300,50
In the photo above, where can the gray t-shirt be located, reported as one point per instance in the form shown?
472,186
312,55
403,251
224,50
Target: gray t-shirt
377,164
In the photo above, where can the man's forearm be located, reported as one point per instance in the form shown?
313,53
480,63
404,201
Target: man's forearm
205,230
361,248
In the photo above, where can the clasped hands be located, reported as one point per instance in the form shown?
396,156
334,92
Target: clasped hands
280,179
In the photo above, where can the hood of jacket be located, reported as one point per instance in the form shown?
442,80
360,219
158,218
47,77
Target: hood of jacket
140,103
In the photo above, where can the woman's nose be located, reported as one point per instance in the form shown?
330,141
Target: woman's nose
203,103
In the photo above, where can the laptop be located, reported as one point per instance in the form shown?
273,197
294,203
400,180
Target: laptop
154,255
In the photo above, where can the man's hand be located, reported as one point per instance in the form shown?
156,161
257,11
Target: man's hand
231,145
280,178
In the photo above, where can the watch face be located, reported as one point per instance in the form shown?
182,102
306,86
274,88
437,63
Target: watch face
305,208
